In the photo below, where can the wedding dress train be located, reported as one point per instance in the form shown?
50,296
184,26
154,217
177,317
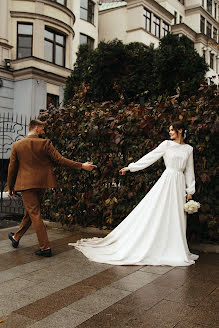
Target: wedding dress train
154,233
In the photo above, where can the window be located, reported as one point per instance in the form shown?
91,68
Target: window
24,40
62,2
209,6
87,11
215,10
204,54
209,27
202,24
165,28
147,15
54,47
211,60
182,2
85,39
215,34
156,26
203,3
175,17
180,19
52,100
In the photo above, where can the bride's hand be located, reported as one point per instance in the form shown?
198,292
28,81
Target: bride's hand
124,170
188,197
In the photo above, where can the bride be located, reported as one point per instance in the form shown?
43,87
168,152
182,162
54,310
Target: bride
154,233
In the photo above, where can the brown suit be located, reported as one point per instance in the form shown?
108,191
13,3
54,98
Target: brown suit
31,171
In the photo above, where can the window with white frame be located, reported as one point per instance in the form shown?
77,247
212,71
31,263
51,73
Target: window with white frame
147,15
209,29
165,28
175,17
85,39
204,54
87,10
24,39
202,24
54,46
156,26
211,60
215,10
209,6
215,34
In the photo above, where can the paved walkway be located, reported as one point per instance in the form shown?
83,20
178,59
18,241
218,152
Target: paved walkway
68,291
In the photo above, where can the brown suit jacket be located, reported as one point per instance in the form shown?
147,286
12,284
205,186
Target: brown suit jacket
31,166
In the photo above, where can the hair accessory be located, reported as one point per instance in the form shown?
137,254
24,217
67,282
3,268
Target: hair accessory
184,134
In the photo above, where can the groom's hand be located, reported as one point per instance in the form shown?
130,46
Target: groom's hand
88,166
11,192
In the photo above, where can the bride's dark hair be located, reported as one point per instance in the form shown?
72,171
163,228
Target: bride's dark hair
177,125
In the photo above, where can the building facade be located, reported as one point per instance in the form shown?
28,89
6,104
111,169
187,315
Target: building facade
36,39
86,24
147,21
39,40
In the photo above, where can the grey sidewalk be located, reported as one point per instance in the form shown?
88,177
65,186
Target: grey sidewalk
68,290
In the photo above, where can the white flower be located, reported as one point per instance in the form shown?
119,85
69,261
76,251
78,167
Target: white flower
191,207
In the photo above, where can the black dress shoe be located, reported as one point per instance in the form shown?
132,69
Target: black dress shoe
15,243
44,252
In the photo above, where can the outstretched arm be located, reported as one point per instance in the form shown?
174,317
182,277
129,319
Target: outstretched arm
146,160
59,159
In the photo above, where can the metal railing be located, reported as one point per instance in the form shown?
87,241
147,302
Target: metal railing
13,127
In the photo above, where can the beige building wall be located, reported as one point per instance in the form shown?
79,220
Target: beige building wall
84,27
28,80
119,18
127,23
173,6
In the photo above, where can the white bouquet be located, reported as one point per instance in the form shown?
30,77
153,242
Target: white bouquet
191,207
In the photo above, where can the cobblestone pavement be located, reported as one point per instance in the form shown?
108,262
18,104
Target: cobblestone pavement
67,290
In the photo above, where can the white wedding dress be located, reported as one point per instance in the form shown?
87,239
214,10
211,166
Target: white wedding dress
154,233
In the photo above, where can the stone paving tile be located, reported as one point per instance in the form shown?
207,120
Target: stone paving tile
13,286
24,269
68,289
110,276
64,318
206,313
186,324
37,292
156,269
174,278
13,302
128,308
165,314
26,255
57,281
134,281
100,300
15,320
53,302
193,292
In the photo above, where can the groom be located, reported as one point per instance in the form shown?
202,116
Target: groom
31,172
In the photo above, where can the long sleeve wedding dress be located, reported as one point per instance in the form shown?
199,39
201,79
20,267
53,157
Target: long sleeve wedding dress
154,233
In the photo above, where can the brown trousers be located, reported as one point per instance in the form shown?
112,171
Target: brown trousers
32,200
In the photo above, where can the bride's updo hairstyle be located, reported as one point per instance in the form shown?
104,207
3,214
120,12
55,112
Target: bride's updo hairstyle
179,125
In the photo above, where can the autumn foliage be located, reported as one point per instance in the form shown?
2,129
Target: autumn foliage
112,135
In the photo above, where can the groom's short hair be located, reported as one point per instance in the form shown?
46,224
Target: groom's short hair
34,123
